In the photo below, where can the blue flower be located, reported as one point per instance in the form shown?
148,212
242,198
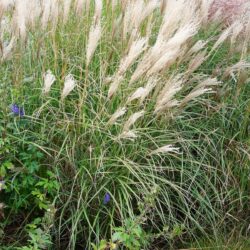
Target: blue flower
106,199
16,110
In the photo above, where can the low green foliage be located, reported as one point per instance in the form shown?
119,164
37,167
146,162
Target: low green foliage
28,187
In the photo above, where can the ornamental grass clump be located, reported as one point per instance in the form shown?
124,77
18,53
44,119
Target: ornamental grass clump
123,99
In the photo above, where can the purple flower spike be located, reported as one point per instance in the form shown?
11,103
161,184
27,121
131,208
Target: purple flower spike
16,110
106,199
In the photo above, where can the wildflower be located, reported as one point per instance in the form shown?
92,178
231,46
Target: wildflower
16,110
106,199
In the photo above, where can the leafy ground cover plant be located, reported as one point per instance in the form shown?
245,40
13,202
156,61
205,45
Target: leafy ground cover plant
105,100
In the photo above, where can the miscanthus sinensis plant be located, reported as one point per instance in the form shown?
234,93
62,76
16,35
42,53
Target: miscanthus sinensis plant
111,90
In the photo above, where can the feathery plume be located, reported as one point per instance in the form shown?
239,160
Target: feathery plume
69,85
21,7
225,34
205,9
114,86
191,13
107,80
116,26
164,61
94,37
136,95
49,79
33,12
199,45
173,47
130,135
66,9
5,5
137,47
163,53
237,29
120,112
172,16
148,88
238,66
149,9
81,5
131,18
166,97
142,92
132,119
55,12
95,32
46,7
183,34
207,83
194,94
196,62
165,149
98,10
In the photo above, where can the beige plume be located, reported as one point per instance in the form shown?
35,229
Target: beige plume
136,95
166,97
130,135
208,83
148,88
49,79
114,85
69,85
120,112
165,149
94,37
98,11
20,15
194,94
66,9
132,119
136,48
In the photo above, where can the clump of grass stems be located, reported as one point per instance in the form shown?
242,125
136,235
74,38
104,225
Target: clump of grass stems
126,96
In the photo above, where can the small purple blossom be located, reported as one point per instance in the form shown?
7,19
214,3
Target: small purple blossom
16,110
106,199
